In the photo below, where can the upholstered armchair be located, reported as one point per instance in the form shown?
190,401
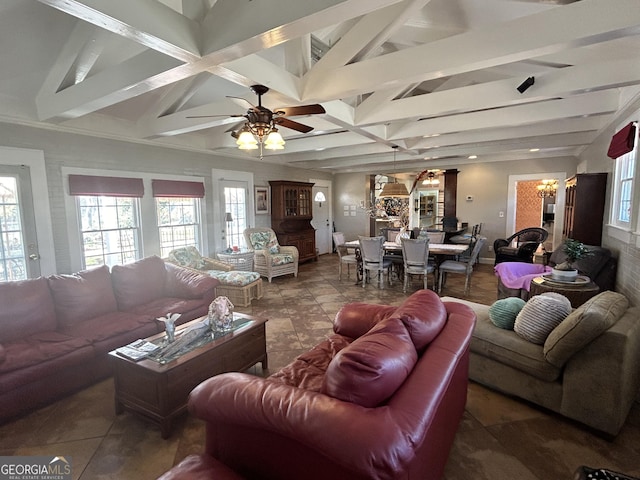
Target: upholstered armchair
190,257
520,246
270,258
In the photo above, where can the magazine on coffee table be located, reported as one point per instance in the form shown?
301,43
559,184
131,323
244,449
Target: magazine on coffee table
137,350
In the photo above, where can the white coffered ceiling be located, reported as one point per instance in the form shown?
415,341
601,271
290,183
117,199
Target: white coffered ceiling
437,78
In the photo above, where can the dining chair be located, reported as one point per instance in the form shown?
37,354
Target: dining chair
343,254
373,259
415,254
461,267
436,237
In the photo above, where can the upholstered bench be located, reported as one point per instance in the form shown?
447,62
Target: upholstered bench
238,286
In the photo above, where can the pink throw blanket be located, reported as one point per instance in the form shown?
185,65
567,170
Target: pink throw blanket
518,274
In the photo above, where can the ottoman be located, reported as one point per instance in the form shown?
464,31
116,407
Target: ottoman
238,286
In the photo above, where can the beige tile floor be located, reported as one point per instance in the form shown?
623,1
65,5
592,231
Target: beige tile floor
500,438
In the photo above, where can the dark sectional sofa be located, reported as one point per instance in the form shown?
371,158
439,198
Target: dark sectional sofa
55,332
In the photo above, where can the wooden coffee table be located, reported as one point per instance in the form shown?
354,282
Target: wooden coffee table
577,293
159,390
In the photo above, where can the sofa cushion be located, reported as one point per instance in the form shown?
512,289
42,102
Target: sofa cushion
82,295
138,282
507,347
3,353
503,312
234,277
39,348
27,308
308,370
423,315
369,370
105,326
540,315
583,325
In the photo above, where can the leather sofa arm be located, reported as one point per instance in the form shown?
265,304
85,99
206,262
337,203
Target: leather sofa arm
355,319
187,283
317,421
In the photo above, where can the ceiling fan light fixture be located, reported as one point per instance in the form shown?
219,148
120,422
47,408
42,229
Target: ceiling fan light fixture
274,140
246,140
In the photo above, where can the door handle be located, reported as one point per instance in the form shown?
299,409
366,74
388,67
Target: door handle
34,256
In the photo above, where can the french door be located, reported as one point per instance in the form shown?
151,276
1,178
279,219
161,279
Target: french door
19,258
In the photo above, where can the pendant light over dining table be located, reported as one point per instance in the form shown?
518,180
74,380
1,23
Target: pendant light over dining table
394,189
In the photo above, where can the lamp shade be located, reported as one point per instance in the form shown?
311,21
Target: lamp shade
274,141
228,217
394,190
246,141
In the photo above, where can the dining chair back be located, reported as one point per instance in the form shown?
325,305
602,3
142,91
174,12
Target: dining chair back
461,267
343,254
436,237
415,254
373,259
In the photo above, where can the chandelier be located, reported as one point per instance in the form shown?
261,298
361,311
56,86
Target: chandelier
394,189
431,180
547,188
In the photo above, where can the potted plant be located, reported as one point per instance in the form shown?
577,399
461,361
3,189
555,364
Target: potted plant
574,250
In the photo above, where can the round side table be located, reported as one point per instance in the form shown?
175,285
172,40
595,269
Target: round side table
241,260
577,294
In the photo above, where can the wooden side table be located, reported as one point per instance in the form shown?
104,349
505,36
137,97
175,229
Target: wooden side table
577,294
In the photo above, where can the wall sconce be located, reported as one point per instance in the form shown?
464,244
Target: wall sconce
320,198
416,205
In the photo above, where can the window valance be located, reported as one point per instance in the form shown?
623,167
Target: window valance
176,188
105,186
623,141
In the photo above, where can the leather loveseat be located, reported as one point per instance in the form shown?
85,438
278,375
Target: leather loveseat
381,398
55,332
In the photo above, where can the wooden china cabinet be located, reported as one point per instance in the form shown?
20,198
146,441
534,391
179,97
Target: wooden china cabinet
584,207
291,214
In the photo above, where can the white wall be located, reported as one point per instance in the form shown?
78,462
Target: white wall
84,152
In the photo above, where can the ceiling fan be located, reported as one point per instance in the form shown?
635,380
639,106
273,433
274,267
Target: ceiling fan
260,127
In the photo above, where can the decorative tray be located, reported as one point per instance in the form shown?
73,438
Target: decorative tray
579,280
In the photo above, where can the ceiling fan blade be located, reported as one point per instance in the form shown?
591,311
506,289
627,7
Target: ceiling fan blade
244,103
285,122
300,110
213,116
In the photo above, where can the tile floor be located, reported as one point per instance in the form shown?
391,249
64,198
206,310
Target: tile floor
500,438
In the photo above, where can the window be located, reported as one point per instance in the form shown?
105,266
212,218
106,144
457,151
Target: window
235,203
177,213
12,257
110,231
623,187
109,213
178,223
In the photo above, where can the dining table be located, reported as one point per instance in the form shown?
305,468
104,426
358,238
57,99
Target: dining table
439,251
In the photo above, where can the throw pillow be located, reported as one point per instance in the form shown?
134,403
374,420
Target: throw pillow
587,322
503,312
540,315
369,370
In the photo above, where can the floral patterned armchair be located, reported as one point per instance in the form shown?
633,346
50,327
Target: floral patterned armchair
190,257
270,258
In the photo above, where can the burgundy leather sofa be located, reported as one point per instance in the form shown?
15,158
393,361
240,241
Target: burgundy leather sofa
55,332
381,398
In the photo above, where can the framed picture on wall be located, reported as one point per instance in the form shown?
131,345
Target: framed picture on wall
262,199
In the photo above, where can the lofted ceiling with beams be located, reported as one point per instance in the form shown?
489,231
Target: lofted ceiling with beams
437,78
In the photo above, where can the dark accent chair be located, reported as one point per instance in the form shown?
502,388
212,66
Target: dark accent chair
526,243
